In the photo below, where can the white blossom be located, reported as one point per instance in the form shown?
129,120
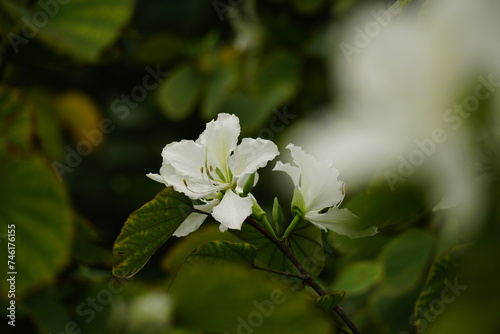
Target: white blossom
214,169
322,194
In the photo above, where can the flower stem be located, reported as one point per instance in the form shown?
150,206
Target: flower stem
260,215
296,220
305,276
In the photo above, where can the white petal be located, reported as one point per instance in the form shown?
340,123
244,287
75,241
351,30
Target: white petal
292,171
186,157
341,221
232,210
157,178
318,181
194,190
194,220
183,163
252,154
190,224
220,138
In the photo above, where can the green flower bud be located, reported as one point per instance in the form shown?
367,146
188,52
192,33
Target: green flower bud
298,203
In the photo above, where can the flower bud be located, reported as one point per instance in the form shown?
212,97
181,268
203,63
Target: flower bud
298,203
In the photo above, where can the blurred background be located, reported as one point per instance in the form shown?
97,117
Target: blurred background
401,96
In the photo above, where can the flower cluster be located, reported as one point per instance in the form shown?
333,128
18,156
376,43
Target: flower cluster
218,173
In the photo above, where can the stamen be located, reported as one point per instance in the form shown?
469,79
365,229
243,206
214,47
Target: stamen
217,188
208,170
204,174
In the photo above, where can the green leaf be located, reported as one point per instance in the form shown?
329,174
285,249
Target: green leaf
147,229
230,299
35,203
15,126
177,95
177,254
356,278
83,28
305,242
79,28
329,301
443,286
405,259
215,251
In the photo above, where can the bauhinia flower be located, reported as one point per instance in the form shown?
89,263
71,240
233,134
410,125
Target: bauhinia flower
319,193
214,170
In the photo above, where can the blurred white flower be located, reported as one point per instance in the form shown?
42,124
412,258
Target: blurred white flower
405,87
214,169
321,194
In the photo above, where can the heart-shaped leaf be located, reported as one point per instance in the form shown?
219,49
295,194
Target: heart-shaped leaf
147,229
220,250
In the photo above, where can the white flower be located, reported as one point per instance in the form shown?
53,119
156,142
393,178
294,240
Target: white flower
322,193
214,170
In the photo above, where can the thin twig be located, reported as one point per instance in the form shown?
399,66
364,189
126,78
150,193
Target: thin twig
306,276
278,272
